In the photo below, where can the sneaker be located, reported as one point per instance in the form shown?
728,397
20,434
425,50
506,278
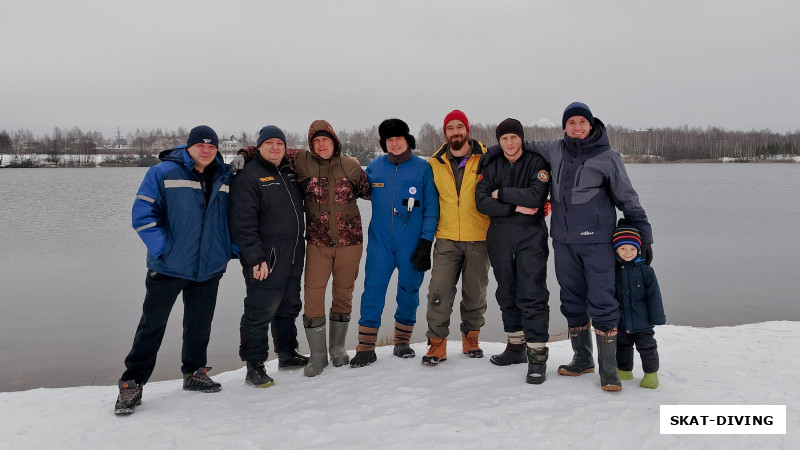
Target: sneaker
200,382
469,343
291,360
257,375
403,351
437,352
130,396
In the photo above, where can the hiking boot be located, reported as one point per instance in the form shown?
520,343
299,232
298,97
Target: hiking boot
403,351
437,352
363,359
291,360
582,360
469,344
513,354
130,396
649,381
257,375
200,382
624,374
537,365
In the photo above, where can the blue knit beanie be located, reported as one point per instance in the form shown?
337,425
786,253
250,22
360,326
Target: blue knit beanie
269,132
577,109
202,135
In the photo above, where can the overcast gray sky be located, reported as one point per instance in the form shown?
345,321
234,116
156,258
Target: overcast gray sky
239,65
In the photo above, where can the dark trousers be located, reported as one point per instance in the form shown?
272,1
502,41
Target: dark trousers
646,345
522,292
585,274
199,301
274,300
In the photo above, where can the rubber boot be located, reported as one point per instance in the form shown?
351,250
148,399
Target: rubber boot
338,333
514,352
402,337
582,361
650,380
315,332
537,365
365,350
607,359
625,374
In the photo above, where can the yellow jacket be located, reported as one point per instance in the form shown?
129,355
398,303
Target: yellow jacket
459,219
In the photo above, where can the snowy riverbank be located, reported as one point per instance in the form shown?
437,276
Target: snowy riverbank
463,403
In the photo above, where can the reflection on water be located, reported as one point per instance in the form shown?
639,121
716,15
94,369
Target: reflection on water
72,269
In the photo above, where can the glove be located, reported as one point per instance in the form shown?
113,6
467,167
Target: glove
547,207
237,163
647,253
422,255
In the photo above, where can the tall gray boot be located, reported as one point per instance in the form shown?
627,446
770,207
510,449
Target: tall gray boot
315,332
607,359
582,362
338,333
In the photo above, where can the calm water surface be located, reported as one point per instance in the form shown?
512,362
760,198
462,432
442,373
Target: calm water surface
72,269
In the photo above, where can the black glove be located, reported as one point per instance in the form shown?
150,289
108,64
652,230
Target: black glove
647,253
422,255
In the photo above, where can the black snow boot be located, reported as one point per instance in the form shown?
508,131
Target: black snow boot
363,359
130,396
199,381
607,359
537,365
257,375
513,354
291,360
582,361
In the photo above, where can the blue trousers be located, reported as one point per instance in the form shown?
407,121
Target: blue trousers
585,274
382,260
199,301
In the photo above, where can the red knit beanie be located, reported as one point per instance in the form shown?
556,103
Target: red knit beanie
456,115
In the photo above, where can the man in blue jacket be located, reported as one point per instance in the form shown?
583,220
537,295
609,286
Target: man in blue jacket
405,213
181,214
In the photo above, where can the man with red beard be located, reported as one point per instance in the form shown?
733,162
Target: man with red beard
460,248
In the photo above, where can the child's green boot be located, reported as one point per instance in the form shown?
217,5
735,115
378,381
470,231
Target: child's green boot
625,374
650,380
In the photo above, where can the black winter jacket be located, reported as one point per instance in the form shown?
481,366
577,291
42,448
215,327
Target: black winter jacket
525,182
639,297
266,212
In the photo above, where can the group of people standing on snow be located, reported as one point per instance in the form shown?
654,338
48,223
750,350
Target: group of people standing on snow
280,210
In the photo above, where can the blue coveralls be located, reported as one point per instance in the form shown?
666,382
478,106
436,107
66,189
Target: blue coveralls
394,233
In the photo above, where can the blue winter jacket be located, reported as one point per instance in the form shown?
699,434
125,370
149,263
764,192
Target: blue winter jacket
185,238
588,183
392,186
639,297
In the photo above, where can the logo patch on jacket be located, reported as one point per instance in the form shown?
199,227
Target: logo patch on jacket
377,184
264,179
543,176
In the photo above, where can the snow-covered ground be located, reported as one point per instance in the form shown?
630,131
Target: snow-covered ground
463,403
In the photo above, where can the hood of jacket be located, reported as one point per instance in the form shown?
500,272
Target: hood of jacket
596,143
323,125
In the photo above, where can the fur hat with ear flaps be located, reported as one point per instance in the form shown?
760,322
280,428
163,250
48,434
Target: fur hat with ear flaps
390,128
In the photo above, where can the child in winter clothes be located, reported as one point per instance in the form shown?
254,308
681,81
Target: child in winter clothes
640,306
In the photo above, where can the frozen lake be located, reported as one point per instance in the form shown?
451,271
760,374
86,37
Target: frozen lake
72,268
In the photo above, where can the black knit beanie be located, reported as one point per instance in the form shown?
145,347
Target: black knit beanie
390,128
510,126
269,132
202,135
577,109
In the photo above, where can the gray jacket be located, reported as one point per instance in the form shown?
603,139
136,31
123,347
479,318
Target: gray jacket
588,182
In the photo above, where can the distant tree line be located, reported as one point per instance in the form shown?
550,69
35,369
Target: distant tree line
77,148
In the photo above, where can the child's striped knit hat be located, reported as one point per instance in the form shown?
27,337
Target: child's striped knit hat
627,234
